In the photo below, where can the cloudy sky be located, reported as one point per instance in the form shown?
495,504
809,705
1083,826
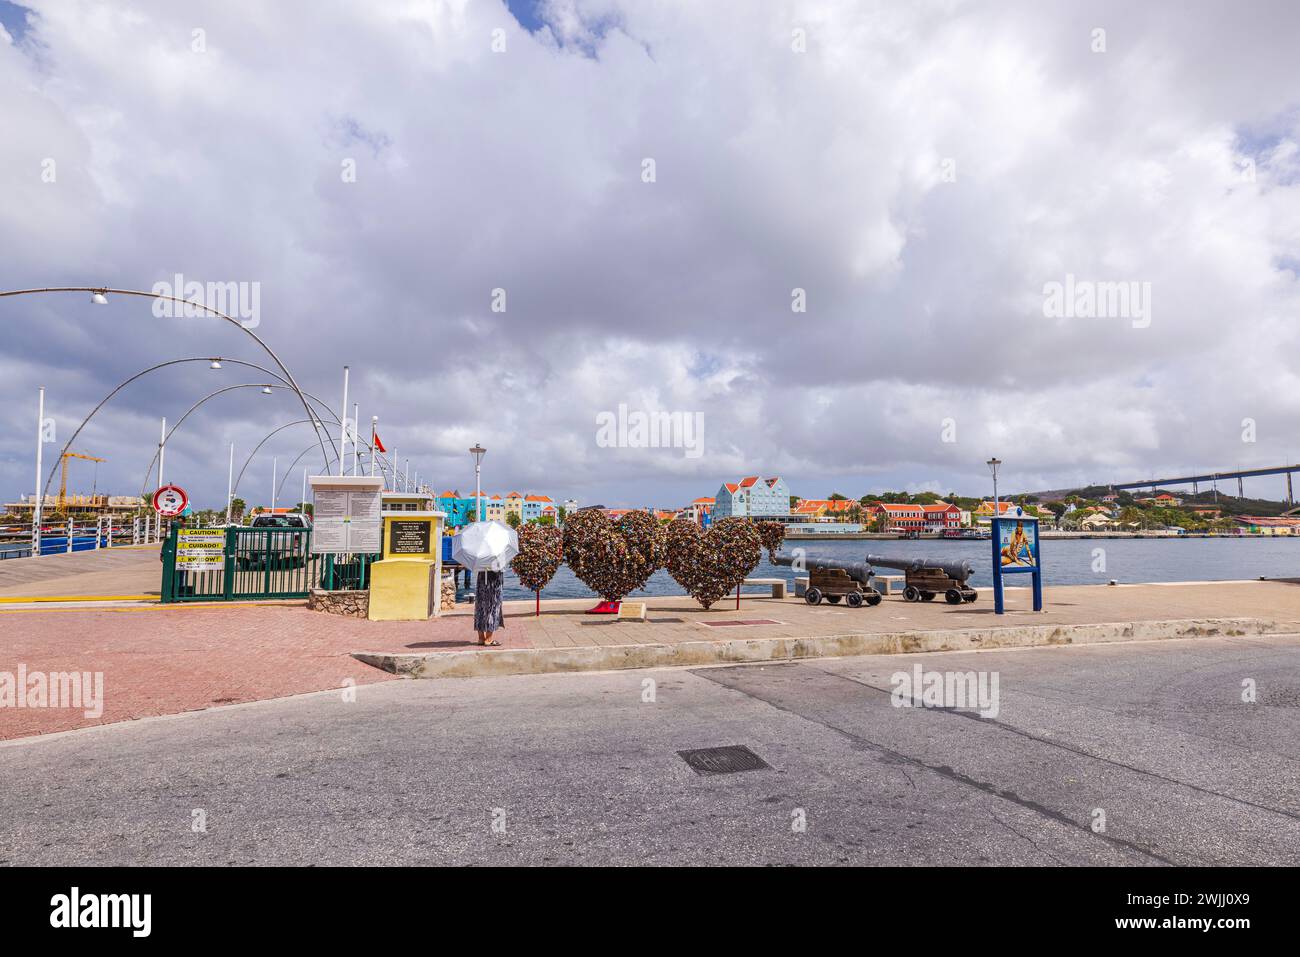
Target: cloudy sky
512,218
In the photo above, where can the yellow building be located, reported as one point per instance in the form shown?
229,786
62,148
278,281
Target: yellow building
514,504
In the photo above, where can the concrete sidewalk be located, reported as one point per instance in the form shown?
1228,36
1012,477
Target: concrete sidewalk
678,632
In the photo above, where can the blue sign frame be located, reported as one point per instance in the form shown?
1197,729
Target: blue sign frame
1016,551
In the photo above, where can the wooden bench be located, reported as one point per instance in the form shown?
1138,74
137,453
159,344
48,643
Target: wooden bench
779,585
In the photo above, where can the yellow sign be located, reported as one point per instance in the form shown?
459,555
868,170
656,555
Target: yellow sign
200,549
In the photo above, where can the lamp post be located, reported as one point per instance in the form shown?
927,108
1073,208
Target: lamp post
993,467
478,451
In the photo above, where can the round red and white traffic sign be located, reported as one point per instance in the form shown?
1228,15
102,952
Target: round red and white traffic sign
170,500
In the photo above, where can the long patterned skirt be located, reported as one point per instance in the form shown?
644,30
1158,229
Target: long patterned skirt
487,602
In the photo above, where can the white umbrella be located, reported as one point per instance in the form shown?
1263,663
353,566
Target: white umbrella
485,547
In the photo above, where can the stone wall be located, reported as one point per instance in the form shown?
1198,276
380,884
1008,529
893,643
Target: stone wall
448,592
349,604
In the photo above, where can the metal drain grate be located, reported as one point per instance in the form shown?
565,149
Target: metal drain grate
725,760
744,621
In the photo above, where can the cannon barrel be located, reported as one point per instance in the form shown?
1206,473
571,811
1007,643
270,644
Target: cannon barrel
954,568
859,571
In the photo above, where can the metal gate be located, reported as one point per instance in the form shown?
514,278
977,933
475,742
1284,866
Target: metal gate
261,563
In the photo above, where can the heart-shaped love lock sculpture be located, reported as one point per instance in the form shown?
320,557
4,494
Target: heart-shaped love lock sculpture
711,564
613,559
773,535
541,552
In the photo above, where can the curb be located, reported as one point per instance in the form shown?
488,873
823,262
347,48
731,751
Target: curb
531,661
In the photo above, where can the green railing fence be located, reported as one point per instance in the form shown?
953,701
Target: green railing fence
262,563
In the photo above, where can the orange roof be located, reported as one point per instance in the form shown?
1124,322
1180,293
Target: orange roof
497,497
514,495
732,486
704,501
537,498
449,494
748,481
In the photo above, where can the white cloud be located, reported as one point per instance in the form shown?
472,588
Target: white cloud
522,170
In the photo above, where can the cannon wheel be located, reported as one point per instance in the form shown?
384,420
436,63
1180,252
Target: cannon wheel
813,596
833,599
911,593
854,598
971,597
927,596
952,596
872,598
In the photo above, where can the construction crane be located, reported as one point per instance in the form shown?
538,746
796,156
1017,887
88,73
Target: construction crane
63,475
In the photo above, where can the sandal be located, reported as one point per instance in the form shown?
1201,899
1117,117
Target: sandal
490,643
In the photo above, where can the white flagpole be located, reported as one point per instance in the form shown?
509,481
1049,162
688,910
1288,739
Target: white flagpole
40,449
162,450
343,429
356,438
230,483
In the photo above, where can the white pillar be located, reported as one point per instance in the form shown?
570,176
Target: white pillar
303,506
356,439
230,483
99,530
275,466
40,448
108,539
343,429
162,450
374,425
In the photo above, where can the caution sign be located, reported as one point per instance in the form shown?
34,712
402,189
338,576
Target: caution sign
200,549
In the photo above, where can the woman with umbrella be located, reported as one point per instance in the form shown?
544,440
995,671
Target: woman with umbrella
486,548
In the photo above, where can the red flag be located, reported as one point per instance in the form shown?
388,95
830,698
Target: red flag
379,445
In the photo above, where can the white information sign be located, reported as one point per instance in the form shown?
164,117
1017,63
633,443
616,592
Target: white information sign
347,514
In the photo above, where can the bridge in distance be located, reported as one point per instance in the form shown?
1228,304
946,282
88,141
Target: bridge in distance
1213,479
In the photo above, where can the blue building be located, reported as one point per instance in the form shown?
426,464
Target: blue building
752,497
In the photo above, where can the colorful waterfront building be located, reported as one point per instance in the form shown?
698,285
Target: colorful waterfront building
533,506
752,497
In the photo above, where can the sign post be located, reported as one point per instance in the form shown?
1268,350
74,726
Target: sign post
1015,551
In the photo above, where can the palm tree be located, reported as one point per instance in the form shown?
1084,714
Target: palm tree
237,509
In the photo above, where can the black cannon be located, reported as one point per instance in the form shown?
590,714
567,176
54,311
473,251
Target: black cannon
833,579
927,577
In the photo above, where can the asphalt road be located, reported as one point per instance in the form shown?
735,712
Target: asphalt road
580,769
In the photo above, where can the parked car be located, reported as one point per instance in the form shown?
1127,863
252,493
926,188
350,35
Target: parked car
279,550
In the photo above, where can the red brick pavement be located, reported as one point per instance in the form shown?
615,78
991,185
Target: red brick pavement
169,659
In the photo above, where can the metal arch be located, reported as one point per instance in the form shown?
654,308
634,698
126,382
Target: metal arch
104,401
211,395
235,488
248,385
104,290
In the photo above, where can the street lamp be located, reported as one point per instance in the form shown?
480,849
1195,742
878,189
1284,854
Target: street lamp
993,467
98,298
214,364
478,451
